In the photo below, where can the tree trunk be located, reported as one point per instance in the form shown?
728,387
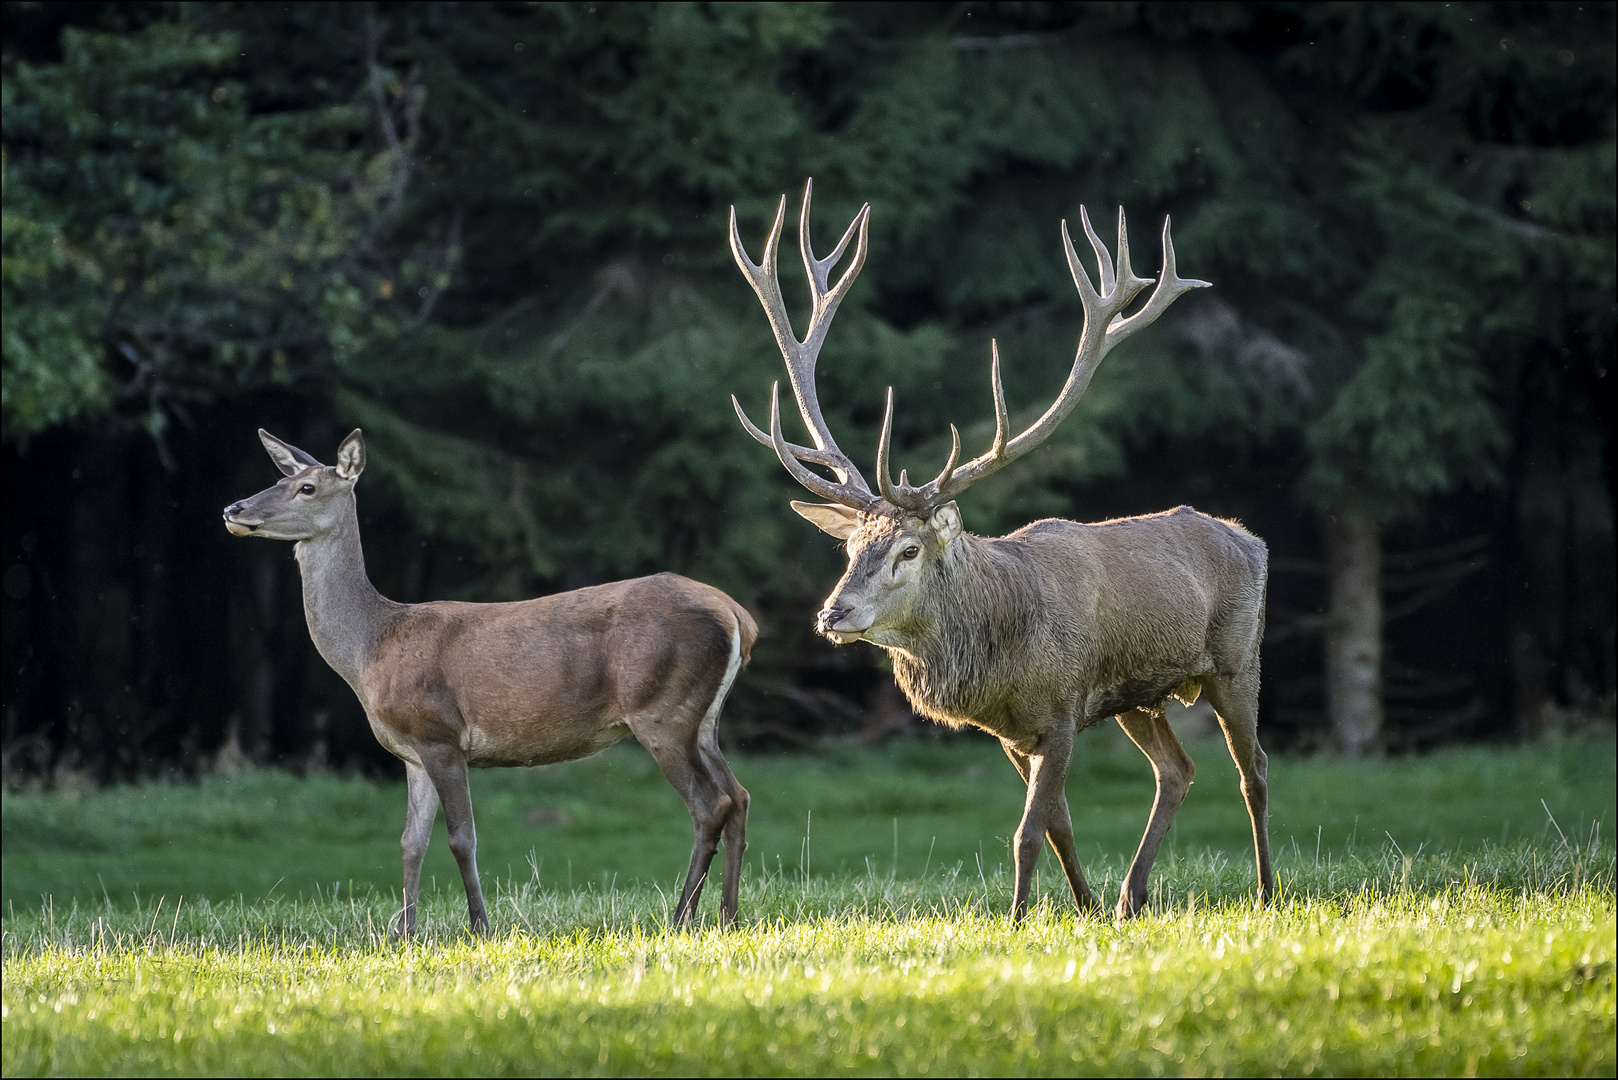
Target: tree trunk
1354,632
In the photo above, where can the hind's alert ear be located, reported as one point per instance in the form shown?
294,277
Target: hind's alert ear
351,456
288,458
840,521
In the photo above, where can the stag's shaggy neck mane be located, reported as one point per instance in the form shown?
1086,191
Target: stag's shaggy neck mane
967,638
346,614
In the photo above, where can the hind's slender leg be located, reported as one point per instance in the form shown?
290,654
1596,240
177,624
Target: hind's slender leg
422,808
1174,770
1235,700
713,759
1059,831
675,749
735,833
446,765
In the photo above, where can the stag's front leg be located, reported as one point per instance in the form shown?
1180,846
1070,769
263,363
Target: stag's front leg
1059,831
1047,778
421,809
447,768
1174,769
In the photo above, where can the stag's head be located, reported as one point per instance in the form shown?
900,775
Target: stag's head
311,499
898,535
892,556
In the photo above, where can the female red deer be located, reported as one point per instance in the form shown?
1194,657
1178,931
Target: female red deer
449,685
1034,636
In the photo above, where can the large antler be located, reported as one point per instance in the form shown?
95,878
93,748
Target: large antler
1103,329
850,489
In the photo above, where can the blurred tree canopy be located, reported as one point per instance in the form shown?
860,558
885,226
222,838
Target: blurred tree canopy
494,237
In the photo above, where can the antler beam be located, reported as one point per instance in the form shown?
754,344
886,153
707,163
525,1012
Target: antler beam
850,488
1104,329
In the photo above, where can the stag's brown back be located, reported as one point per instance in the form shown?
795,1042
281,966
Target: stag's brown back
1154,604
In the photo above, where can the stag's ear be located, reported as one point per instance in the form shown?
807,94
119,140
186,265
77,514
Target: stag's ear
351,456
840,521
946,522
288,458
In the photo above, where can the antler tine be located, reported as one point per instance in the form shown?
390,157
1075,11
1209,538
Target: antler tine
1103,329
1081,277
1129,286
1103,257
949,466
1002,422
884,483
760,275
902,494
1170,286
852,494
831,458
824,298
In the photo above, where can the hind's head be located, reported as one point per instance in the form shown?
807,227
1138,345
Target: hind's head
311,498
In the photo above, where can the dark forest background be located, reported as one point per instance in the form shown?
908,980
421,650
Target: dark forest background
493,236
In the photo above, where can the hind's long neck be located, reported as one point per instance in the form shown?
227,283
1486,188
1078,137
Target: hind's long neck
345,612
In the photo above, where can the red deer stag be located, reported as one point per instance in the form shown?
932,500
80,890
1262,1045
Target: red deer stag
1036,635
449,685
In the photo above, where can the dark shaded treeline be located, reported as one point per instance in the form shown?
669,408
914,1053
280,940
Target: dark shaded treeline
538,328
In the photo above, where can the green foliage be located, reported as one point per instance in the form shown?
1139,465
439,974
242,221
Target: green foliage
170,248
51,355
1379,266
494,237
1376,267
1493,199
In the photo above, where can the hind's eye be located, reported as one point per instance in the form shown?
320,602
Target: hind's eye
307,489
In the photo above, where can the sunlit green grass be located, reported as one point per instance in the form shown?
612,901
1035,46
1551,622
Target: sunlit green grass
1501,964
1448,922
908,809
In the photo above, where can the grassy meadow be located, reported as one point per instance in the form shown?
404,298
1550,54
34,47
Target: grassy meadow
1452,913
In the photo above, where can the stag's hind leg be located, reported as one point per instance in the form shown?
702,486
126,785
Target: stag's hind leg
1059,831
1235,700
1174,769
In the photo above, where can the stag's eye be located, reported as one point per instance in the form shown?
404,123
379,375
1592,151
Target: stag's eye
307,489
910,552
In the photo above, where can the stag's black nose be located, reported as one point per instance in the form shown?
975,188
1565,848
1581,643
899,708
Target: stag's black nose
829,617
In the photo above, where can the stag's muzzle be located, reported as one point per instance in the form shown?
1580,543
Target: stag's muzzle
834,623
828,618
